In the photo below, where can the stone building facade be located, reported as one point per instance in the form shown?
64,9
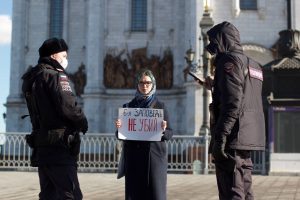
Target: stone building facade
97,29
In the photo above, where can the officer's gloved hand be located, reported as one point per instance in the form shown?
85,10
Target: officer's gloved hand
85,127
70,140
84,130
218,150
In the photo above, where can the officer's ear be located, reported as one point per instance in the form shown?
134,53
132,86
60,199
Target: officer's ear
53,56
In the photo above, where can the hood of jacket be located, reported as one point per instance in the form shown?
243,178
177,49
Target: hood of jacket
29,77
224,38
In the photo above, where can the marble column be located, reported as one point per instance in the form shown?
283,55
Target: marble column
95,54
194,107
15,103
194,98
295,15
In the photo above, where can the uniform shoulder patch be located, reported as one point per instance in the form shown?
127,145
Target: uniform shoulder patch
64,83
256,73
63,77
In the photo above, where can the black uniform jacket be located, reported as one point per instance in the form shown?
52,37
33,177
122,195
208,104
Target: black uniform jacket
56,109
146,163
237,99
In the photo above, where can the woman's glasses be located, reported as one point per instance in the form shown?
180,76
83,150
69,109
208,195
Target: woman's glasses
147,83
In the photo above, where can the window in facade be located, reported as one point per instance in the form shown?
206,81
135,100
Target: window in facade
248,4
139,15
285,126
56,18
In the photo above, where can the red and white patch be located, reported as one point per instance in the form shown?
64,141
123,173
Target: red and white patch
63,77
228,67
255,73
65,86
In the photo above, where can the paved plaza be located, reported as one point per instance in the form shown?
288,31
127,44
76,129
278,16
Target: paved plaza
103,186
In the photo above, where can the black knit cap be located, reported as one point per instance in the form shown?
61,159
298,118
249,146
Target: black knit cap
52,46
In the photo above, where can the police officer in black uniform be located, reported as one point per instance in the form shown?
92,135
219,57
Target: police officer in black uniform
238,126
56,122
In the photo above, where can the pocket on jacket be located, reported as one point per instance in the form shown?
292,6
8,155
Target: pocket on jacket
252,129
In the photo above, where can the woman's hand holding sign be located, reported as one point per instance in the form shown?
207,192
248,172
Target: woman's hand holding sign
164,125
118,123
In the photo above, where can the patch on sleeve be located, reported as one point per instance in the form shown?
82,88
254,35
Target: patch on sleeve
64,83
228,67
63,77
255,73
65,86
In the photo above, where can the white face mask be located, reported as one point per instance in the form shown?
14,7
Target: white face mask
64,63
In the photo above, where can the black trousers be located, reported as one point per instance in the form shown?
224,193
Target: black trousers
234,176
59,183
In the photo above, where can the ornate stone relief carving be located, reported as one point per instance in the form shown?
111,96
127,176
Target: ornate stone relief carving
79,80
120,69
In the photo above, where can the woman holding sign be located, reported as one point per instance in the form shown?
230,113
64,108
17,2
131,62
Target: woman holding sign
145,162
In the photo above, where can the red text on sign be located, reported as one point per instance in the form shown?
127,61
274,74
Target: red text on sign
131,124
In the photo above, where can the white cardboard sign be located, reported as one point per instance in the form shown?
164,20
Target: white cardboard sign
140,124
